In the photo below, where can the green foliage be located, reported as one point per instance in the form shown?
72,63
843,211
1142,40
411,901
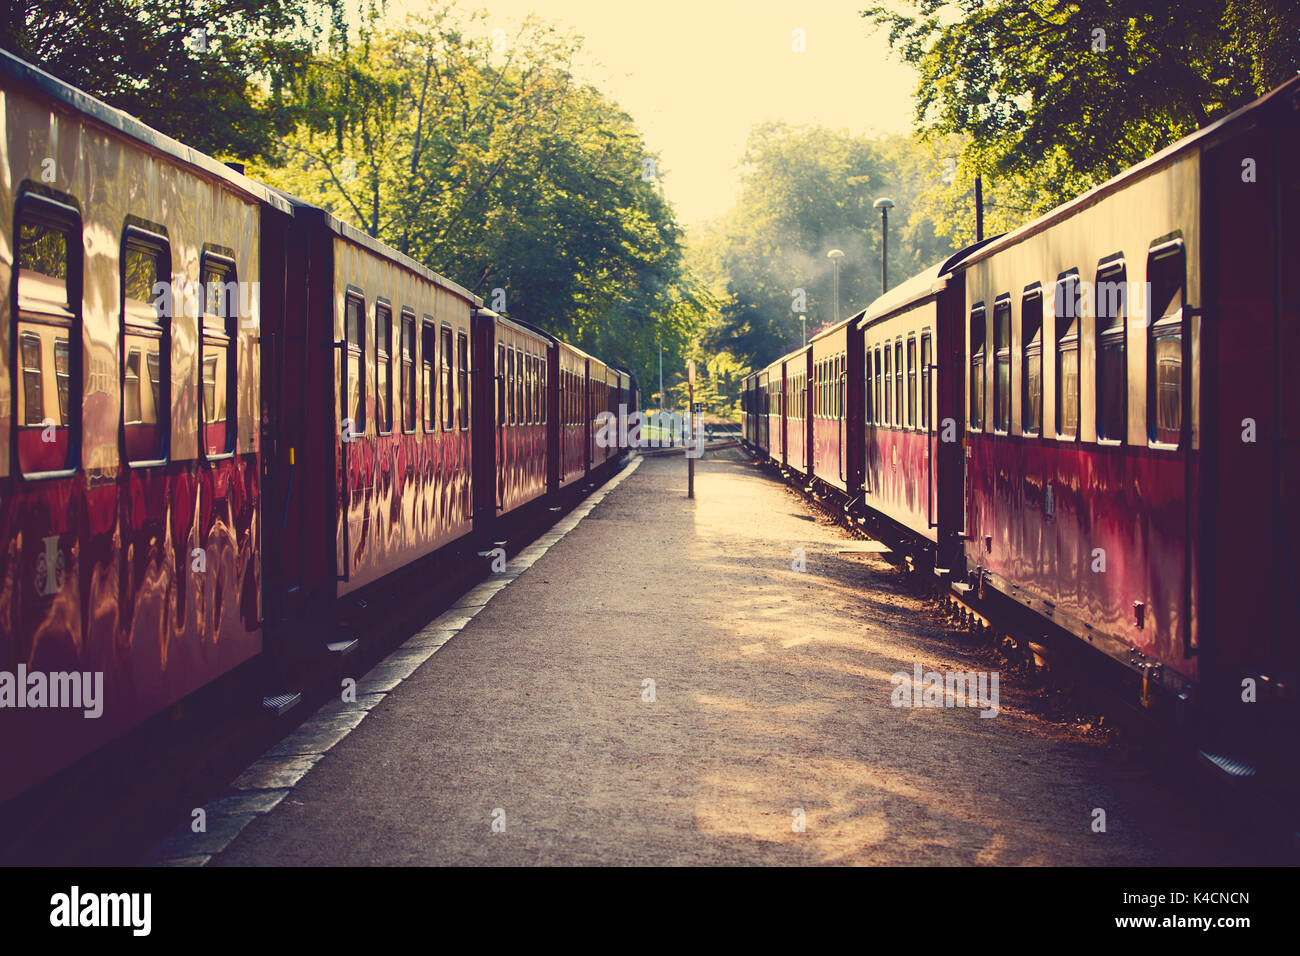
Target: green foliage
500,170
215,75
806,191
1051,98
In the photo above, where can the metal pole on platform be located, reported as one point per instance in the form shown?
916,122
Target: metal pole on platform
690,442
659,416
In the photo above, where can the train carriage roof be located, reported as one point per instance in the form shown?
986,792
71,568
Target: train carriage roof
1201,139
835,329
306,211
13,68
519,325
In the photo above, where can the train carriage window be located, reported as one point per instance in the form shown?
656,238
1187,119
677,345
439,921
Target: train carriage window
383,368
841,387
500,383
1067,305
220,331
146,343
520,413
826,387
541,389
48,278
63,378
462,370
1167,279
530,401
353,390
530,404
429,365
829,386
408,371
898,383
1112,351
889,386
911,381
1002,364
832,386
524,380
977,331
927,358
882,417
33,379
510,385
1031,373
869,407
448,399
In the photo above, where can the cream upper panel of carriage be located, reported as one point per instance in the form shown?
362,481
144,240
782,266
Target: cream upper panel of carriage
571,360
913,320
112,180
381,281
1149,213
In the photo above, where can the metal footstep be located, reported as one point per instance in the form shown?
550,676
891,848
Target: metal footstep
1232,767
280,704
343,648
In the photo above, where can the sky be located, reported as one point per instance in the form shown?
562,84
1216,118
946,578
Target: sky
695,76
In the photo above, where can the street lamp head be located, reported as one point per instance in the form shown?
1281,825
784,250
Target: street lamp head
884,204
835,254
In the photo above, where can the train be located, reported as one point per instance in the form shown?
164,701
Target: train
227,419
1093,421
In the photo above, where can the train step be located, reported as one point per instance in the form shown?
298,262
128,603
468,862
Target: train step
280,704
1232,768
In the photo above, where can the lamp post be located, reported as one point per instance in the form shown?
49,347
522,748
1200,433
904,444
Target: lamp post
835,255
884,205
803,319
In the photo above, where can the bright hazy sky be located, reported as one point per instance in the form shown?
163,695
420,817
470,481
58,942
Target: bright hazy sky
695,75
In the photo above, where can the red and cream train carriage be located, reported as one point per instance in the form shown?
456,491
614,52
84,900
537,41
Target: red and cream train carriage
1093,417
130,507
518,374
201,458
836,390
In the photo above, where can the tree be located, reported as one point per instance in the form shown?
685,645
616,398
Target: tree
805,191
1052,98
494,166
215,74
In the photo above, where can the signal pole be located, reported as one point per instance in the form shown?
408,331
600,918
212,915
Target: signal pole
690,459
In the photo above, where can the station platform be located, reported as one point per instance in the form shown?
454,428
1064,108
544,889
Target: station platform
658,680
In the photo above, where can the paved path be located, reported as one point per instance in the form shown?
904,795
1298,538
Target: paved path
771,696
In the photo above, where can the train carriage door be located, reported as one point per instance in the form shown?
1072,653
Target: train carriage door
975,332
841,397
947,421
501,385
926,425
